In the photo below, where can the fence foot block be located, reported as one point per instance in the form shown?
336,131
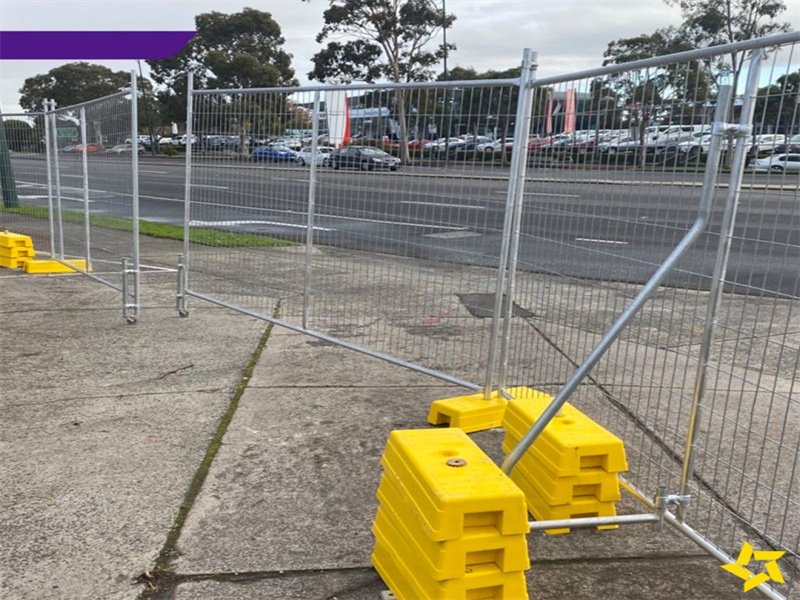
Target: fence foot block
474,412
15,240
53,266
13,263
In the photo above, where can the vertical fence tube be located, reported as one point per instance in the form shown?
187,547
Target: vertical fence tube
48,160
57,173
520,156
187,190
526,77
135,189
87,240
312,191
718,277
650,288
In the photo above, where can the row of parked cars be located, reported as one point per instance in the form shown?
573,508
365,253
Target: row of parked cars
365,158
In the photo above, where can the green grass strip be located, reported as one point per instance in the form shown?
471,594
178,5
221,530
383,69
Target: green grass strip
206,237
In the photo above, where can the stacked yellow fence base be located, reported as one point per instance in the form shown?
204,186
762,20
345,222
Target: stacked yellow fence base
571,470
15,250
474,412
450,524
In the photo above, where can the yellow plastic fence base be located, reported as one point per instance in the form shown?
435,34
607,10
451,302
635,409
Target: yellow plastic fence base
13,263
449,559
16,252
474,412
482,582
53,266
15,240
451,484
593,482
571,442
580,506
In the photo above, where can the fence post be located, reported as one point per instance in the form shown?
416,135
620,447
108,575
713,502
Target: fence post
742,131
134,314
85,170
57,173
520,156
312,190
183,274
48,160
518,161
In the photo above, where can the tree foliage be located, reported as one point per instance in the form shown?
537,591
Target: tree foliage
388,39
72,83
369,40
239,50
778,104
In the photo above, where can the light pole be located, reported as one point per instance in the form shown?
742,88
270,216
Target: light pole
444,35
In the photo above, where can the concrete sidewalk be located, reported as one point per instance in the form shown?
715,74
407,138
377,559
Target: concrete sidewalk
243,458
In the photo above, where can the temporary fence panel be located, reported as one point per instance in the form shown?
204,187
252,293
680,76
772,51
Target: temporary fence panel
24,188
95,190
605,207
356,244
607,244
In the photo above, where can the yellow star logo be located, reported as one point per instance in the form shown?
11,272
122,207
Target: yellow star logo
752,580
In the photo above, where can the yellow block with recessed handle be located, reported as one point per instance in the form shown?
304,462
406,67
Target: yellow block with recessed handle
451,484
474,412
15,240
579,507
448,559
16,252
481,582
13,263
592,481
570,443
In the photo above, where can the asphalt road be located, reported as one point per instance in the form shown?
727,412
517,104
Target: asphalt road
615,224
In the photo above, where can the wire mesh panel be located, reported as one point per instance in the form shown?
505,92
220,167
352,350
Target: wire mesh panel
24,187
364,218
95,187
614,185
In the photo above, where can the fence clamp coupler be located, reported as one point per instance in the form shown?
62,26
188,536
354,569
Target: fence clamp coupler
663,501
731,129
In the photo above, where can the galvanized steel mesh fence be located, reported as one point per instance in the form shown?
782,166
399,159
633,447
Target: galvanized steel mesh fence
565,195
603,218
363,264
70,180
25,184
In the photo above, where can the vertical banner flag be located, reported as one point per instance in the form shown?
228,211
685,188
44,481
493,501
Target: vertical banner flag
338,118
548,123
569,111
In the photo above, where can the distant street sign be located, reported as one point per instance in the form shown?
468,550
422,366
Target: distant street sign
67,132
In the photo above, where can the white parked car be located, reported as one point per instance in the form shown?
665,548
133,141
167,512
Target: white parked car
181,140
778,163
323,155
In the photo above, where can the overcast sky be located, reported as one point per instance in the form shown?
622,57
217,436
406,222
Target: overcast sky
490,34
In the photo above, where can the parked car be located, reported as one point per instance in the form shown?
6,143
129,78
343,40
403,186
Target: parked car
90,148
166,141
273,153
417,144
303,157
778,163
365,158
124,149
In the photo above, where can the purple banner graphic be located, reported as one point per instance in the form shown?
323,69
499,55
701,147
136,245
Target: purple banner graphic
85,45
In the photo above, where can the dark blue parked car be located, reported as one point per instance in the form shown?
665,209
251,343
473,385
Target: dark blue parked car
274,154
